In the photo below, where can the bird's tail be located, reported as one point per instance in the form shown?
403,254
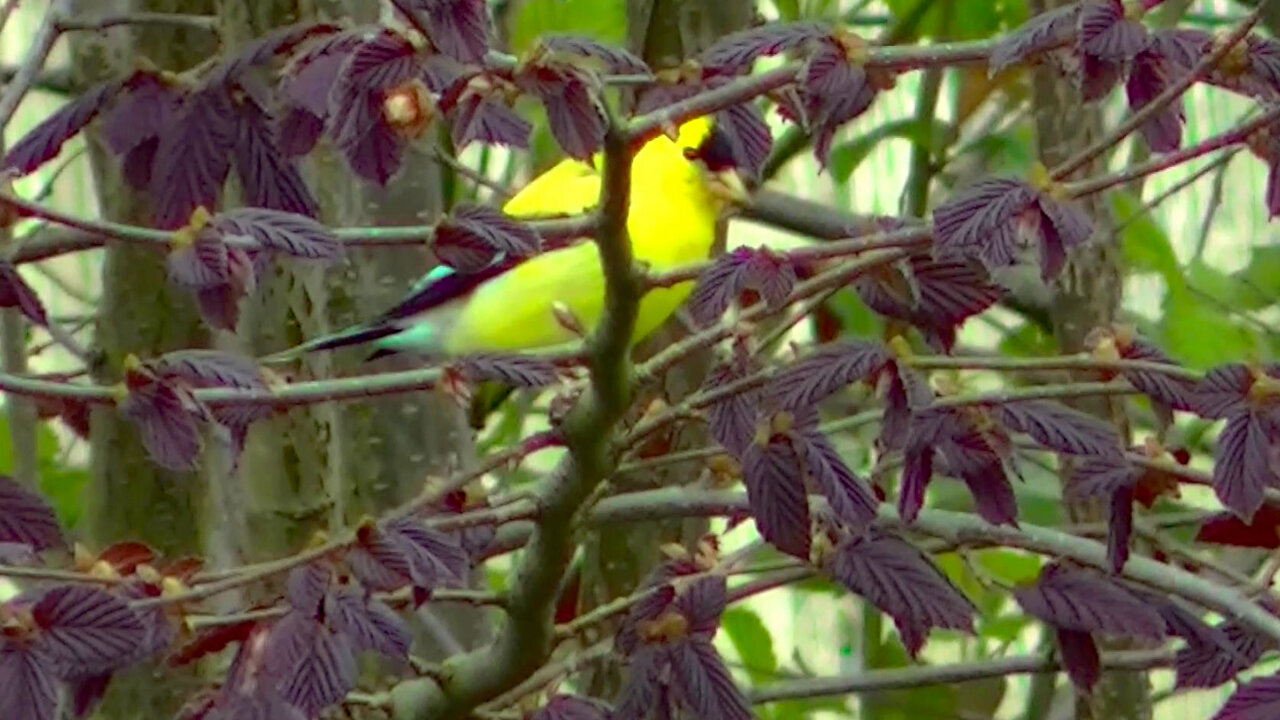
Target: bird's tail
357,335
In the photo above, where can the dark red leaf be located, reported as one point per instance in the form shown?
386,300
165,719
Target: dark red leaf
85,694
474,237
917,473
311,75
737,51
125,557
479,118
277,231
262,49
1079,657
747,135
137,164
651,605
776,493
210,368
1258,699
1100,476
1148,77
369,623
43,142
616,60
212,640
1176,393
1242,469
16,293
1228,529
898,579
1058,427
988,484
27,689
1097,77
166,418
1077,599
704,683
85,630
193,157
569,707
203,263
357,124
268,177
827,370
848,495
942,294
1063,225
26,518
1105,33
732,418
1042,32
1207,664
307,586
1119,529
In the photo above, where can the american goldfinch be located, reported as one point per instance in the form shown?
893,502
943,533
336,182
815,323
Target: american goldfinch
679,188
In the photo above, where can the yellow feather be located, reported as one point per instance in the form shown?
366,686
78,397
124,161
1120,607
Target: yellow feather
671,222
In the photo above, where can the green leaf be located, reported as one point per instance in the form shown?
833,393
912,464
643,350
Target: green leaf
1144,246
938,701
965,19
847,157
1200,333
1010,567
1029,340
602,20
856,318
753,643
1262,275
1002,629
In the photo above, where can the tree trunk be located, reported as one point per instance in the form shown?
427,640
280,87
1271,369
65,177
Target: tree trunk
129,497
1086,295
664,33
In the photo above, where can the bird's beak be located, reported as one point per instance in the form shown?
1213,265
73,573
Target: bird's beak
728,186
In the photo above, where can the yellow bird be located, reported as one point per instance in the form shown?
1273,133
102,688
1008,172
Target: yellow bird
679,188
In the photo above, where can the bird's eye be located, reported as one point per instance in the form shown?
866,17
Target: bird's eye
690,153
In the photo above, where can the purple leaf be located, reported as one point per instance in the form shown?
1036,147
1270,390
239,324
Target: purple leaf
310,77
26,518
369,623
457,28
435,559
269,178
756,269
307,585
983,214
849,497
1097,77
747,135
776,493
210,368
568,707
1042,32
85,694
27,690
1258,699
917,472
278,231
615,60
1080,657
898,579
651,605
167,421
43,142
574,112
1223,391
1148,77
356,121
737,51
942,294
1119,529
988,484
1072,598
520,371
16,293
704,683
814,378
1105,33
732,418
642,693
1207,664
85,630
1058,427
703,602
474,237
834,91
1176,393
193,157
317,670
143,109
261,50
1242,468
475,117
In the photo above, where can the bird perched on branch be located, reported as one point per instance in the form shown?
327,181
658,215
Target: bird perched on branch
679,188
